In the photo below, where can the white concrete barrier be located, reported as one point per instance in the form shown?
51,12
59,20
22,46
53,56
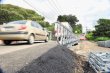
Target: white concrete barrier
104,43
107,43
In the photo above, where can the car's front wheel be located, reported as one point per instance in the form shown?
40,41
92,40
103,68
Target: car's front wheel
46,40
7,42
31,39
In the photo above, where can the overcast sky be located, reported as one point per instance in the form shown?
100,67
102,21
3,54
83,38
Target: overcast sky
87,11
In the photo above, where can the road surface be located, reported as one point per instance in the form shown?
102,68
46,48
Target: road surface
15,57
15,46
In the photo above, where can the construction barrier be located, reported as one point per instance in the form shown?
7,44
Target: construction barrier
100,62
104,43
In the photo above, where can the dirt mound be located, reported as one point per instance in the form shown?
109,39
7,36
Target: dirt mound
83,64
58,60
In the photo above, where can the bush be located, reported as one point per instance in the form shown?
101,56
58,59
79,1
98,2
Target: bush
44,23
90,36
51,28
102,38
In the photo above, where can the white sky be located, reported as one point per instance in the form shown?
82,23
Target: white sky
87,11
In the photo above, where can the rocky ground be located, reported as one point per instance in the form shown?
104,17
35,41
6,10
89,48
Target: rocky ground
85,47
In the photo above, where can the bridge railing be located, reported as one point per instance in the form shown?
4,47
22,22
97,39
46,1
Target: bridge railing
65,35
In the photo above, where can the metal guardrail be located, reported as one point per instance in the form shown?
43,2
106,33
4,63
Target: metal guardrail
64,35
100,62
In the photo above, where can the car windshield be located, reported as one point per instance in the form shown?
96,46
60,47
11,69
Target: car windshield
18,22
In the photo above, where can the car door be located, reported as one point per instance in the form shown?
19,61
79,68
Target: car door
39,32
42,32
35,30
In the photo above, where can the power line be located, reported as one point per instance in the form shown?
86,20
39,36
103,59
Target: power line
54,7
30,5
35,8
58,5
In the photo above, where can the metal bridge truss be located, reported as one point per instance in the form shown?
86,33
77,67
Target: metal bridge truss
100,62
64,35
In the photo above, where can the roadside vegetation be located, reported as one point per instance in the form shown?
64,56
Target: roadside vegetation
10,12
102,31
72,20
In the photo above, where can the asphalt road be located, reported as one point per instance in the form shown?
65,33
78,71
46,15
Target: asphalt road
14,57
15,46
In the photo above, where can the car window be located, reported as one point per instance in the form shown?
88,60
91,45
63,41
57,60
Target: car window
39,26
33,24
18,22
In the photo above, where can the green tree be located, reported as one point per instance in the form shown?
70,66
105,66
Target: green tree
68,18
6,16
44,23
51,28
103,28
103,21
72,20
18,12
78,28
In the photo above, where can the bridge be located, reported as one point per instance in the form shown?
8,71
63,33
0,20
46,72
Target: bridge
64,35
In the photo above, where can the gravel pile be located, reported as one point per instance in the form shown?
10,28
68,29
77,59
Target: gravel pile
58,60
